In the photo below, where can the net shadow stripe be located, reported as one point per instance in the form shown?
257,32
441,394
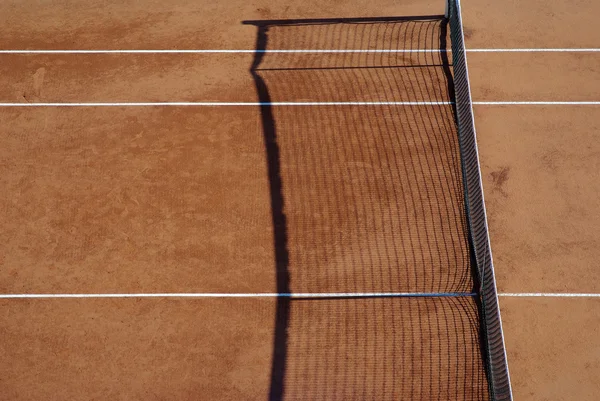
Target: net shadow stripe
280,235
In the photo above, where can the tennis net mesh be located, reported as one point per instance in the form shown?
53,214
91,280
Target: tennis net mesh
371,198
496,365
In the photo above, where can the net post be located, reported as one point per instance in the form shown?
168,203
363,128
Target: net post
446,11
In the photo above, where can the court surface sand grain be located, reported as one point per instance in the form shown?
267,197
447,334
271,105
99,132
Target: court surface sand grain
175,200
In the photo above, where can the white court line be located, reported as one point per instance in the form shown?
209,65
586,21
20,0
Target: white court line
557,50
215,104
209,51
539,103
550,294
299,295
334,295
275,104
205,51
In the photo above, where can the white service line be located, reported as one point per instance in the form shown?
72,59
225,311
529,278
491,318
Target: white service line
205,51
275,104
549,294
298,295
334,295
540,103
216,104
565,50
209,51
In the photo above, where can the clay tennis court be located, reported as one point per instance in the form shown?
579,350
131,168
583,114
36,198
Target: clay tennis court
145,242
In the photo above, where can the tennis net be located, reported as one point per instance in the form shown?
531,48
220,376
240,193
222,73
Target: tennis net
368,198
496,365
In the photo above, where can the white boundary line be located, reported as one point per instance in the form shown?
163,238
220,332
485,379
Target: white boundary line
230,51
550,294
275,104
334,295
556,50
300,295
215,104
539,103
217,51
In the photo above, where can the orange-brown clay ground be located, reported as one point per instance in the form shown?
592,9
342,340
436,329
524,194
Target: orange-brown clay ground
124,200
540,167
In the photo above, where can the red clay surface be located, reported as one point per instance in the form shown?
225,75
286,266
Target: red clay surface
533,24
157,349
541,174
125,200
541,182
190,77
180,24
133,349
168,227
130,200
534,76
553,347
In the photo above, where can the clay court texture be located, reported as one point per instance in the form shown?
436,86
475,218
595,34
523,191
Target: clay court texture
191,211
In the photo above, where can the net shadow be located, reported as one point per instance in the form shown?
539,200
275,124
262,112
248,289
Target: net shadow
367,198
